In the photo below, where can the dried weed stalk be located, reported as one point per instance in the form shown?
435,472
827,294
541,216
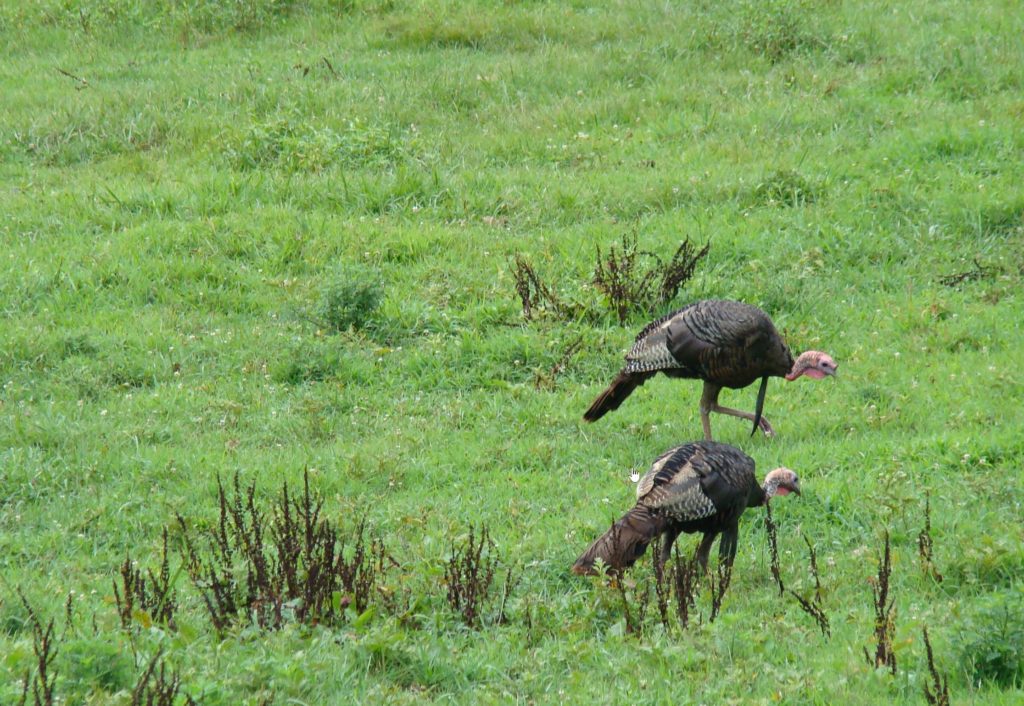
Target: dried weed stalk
684,586
632,280
290,565
924,543
546,381
152,594
634,618
679,269
533,292
662,584
936,693
469,574
362,574
814,570
156,686
720,581
773,547
885,617
675,581
813,606
630,285
980,272
620,278
815,611
45,648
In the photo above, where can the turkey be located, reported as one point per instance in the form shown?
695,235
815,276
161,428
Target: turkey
723,343
698,487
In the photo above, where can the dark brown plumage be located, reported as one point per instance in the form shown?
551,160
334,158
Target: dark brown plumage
725,344
698,487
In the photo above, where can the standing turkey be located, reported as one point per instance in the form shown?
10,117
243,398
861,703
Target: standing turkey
699,487
723,343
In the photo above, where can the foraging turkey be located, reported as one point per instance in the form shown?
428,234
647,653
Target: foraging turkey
698,487
723,343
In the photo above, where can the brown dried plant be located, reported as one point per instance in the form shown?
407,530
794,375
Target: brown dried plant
631,285
291,564
534,293
469,574
885,616
157,686
152,593
813,605
45,646
720,581
773,547
924,543
936,693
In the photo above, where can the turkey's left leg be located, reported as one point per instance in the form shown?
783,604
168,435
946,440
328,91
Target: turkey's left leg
667,540
704,549
708,403
765,426
727,547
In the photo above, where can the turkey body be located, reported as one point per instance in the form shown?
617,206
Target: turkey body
697,487
724,343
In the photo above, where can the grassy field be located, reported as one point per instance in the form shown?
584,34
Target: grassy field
249,238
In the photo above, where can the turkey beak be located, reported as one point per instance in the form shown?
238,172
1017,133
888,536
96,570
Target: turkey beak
795,487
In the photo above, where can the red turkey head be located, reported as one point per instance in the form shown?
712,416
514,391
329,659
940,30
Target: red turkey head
781,481
813,364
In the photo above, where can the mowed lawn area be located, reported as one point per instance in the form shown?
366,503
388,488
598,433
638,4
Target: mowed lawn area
253,244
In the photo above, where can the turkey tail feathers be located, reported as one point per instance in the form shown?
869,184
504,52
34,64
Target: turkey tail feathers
614,395
623,544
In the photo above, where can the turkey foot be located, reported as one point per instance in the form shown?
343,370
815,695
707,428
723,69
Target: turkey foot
763,424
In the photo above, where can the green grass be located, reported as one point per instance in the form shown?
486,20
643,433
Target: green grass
180,219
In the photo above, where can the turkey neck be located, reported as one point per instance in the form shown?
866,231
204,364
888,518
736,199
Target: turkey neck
760,495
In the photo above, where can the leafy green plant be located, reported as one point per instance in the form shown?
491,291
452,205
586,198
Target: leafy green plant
296,146
92,663
774,29
784,187
349,299
993,641
312,361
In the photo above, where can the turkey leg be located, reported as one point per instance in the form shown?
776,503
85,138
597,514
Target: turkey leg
765,426
709,403
727,547
704,549
667,541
